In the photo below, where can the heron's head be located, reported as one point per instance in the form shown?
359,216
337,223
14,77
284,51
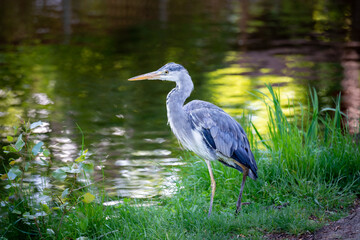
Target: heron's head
169,72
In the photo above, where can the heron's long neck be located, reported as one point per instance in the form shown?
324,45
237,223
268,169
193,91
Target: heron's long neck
176,99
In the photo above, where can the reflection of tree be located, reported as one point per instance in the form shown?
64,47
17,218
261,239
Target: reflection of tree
26,19
244,22
163,12
16,20
350,62
351,88
67,17
355,20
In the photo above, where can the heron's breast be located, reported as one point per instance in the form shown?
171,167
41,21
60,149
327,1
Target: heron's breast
192,140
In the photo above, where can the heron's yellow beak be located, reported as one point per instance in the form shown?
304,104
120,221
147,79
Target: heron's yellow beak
146,76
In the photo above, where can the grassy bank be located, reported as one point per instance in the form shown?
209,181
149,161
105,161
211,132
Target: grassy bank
309,170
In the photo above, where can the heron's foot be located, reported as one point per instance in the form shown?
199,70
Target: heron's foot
238,208
237,211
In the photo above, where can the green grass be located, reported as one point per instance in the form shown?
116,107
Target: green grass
309,171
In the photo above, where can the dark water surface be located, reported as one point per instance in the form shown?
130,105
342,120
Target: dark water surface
67,62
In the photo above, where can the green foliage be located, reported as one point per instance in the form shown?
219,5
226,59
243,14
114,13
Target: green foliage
312,146
25,215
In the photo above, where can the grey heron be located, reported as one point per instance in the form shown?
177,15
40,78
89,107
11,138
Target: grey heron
204,128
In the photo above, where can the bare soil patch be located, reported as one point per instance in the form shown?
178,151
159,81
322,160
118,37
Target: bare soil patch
346,228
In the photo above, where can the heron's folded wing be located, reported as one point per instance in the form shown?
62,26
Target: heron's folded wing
221,131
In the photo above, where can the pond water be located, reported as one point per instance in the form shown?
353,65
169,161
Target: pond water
67,63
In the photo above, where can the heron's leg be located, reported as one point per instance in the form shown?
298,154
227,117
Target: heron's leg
238,204
213,186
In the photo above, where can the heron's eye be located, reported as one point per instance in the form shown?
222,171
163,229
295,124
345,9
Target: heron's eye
166,71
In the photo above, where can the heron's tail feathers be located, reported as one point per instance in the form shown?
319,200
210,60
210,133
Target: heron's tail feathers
252,175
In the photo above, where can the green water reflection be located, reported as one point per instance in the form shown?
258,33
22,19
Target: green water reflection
67,73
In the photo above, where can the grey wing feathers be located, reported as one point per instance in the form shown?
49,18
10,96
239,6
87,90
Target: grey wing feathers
222,132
